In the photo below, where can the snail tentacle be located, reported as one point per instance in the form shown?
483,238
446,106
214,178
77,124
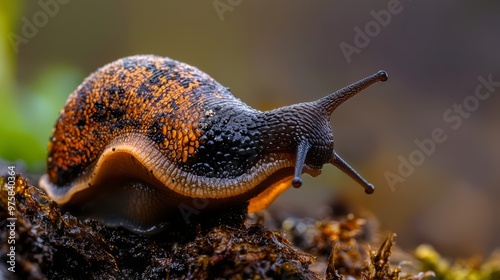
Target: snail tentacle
338,162
302,150
334,100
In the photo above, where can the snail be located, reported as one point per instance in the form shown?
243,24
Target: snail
145,135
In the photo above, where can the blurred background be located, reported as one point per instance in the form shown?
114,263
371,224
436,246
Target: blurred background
277,53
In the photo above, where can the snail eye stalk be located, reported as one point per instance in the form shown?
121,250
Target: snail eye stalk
302,150
338,162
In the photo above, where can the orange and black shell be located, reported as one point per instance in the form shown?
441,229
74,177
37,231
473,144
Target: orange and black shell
180,109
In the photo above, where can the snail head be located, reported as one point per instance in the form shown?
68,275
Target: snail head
314,143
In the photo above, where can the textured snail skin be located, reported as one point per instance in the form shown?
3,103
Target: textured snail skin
145,134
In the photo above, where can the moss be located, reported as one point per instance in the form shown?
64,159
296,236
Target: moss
472,269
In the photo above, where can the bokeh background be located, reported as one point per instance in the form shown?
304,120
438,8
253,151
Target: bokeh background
274,53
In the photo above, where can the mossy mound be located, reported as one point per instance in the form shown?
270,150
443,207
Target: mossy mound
51,244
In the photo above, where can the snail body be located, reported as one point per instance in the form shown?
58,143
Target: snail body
145,135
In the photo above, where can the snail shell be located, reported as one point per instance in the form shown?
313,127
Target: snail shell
145,135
